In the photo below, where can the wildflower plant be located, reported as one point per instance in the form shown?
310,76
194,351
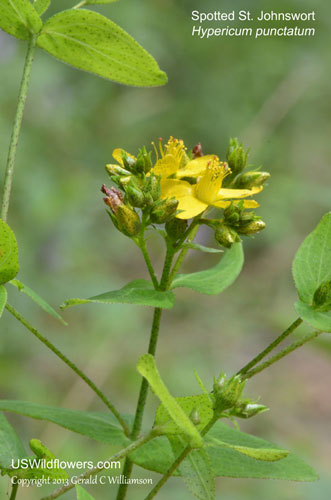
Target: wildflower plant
172,191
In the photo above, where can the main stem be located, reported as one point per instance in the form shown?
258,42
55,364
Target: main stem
164,283
14,491
71,365
6,191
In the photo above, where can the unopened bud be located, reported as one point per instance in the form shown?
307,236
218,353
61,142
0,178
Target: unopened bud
116,170
236,156
252,227
153,186
135,194
195,417
197,150
322,297
228,394
125,219
176,228
226,236
164,210
248,410
251,179
128,161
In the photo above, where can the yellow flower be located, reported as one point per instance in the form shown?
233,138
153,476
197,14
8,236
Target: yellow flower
195,198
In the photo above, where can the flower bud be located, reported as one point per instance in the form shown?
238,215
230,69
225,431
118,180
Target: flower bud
128,161
124,218
251,179
236,156
252,227
153,186
228,392
197,151
164,210
134,194
195,417
248,410
175,228
144,162
226,236
116,170
322,297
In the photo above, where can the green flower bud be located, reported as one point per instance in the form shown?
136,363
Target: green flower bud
153,186
236,156
135,194
227,393
129,163
125,219
116,170
164,210
322,297
252,227
251,179
144,161
175,228
248,410
195,417
226,236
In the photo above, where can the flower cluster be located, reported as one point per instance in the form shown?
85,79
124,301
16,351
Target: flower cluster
178,185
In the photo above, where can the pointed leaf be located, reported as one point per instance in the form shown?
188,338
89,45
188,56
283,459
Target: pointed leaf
41,6
3,299
317,319
95,2
83,494
196,470
19,18
11,447
158,456
147,368
101,427
89,41
8,253
312,263
216,279
37,299
139,292
265,454
202,248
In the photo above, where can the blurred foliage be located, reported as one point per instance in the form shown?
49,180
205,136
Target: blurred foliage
274,94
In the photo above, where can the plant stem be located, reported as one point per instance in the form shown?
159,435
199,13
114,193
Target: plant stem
271,346
282,354
14,491
190,237
6,190
117,456
71,365
143,248
164,283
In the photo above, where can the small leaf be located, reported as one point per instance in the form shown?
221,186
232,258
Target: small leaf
196,470
101,427
37,299
202,248
319,320
216,279
100,2
83,494
139,292
8,253
19,18
158,456
201,403
41,6
3,299
312,263
11,447
147,368
265,454
89,41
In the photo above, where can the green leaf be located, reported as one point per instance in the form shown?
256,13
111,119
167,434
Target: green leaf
158,456
147,368
11,447
317,319
83,494
202,248
8,253
37,299
95,2
312,263
19,18
201,403
216,279
3,299
196,470
101,427
41,6
265,454
139,292
89,41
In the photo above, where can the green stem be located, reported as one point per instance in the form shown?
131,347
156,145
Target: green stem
190,235
282,354
14,491
117,456
143,248
178,461
71,365
164,283
16,128
271,346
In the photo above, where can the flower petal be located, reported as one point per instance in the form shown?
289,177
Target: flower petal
228,194
191,207
175,187
166,166
247,204
195,167
117,155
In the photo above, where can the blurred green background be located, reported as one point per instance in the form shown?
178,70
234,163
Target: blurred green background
274,94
